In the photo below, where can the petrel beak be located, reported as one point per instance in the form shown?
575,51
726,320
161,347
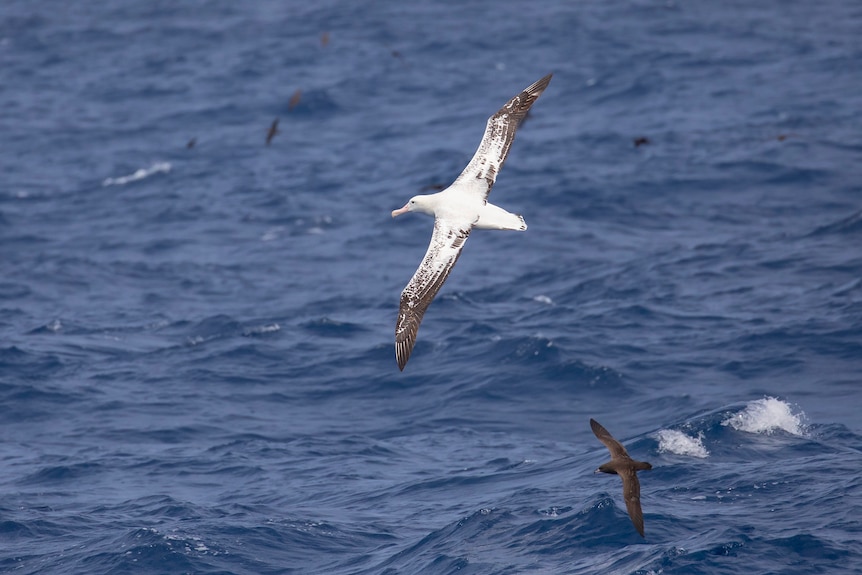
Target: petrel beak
400,211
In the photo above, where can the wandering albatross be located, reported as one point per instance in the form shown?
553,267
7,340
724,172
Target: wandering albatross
457,210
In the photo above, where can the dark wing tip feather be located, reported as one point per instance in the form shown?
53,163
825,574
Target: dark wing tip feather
405,334
632,496
402,352
598,429
615,447
539,86
639,525
518,106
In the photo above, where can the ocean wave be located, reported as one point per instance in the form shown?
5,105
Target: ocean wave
156,168
849,225
674,441
197,371
261,329
327,327
767,415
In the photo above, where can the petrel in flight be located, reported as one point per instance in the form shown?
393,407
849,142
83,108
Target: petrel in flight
626,467
273,130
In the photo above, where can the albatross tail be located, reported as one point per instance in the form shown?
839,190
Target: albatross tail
493,217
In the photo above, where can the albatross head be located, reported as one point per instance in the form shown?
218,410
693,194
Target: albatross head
416,204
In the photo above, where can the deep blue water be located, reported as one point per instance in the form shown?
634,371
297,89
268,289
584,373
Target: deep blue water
197,367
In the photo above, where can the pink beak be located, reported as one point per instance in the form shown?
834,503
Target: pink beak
400,211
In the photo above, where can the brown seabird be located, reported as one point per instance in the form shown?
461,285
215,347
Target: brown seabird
626,467
294,100
457,210
273,130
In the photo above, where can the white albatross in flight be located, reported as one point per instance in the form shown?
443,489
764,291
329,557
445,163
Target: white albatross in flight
457,210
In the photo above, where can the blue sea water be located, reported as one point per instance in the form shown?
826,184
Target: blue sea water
197,367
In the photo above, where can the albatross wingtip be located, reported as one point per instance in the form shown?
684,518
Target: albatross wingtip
402,354
540,85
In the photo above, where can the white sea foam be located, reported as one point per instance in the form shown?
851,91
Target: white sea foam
260,329
158,167
272,234
673,441
189,542
543,299
765,416
551,511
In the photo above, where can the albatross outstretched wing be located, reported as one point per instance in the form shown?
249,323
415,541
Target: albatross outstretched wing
446,243
482,170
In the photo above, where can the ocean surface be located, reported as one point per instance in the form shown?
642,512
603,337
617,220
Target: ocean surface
197,364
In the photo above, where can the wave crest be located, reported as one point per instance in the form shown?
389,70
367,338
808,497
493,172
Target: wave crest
765,416
158,167
673,441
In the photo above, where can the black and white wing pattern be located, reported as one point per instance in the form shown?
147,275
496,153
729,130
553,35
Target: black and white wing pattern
446,243
499,133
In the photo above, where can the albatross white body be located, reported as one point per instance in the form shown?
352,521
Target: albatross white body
457,210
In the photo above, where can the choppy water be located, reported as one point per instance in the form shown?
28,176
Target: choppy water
197,371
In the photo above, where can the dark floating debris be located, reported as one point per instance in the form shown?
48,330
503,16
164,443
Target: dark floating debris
398,56
782,137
